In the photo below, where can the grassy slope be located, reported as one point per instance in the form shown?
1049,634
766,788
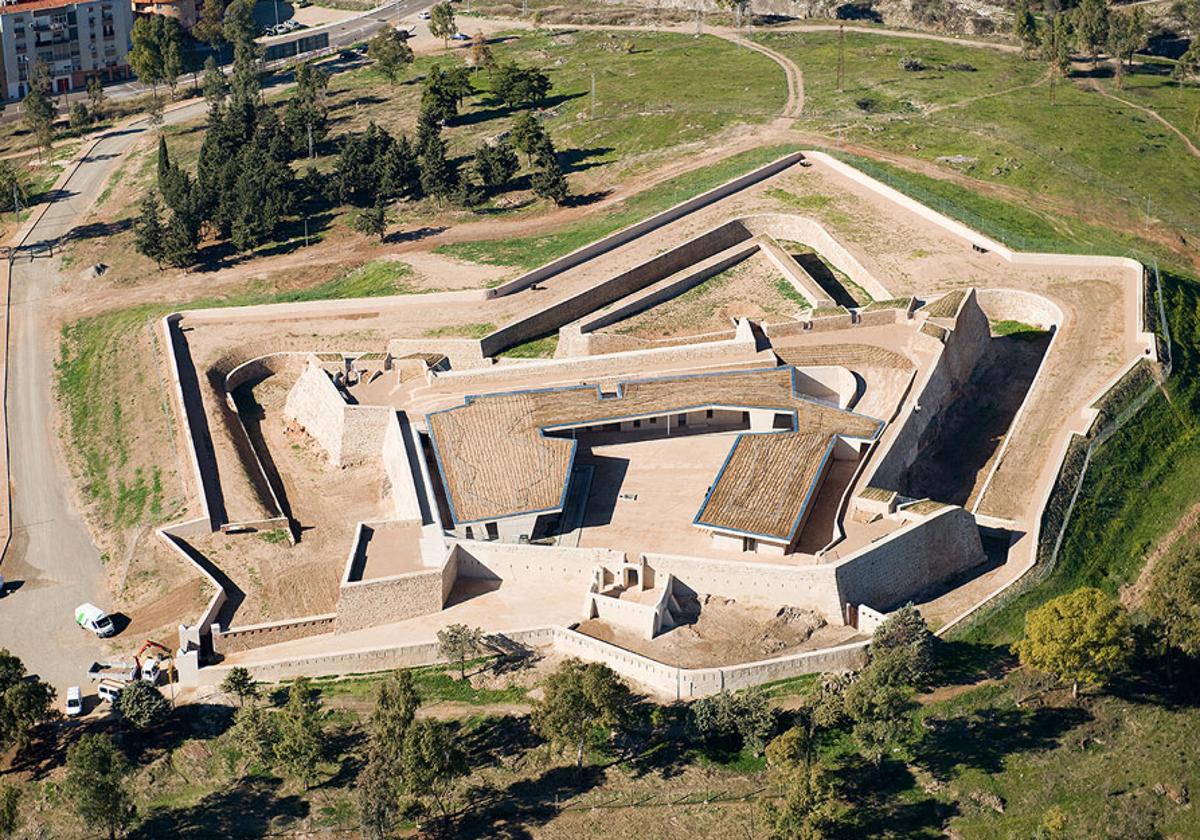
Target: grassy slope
530,252
1086,152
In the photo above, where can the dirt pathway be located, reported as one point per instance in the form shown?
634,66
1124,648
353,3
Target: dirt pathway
1150,112
973,99
795,80
1132,594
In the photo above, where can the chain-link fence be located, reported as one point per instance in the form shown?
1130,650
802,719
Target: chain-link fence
1116,407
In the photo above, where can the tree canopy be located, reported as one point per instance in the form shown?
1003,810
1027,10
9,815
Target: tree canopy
391,53
95,783
579,698
1080,637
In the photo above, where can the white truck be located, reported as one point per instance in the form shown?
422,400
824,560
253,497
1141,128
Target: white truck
91,617
121,672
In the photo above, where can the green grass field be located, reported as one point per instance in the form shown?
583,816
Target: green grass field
1086,152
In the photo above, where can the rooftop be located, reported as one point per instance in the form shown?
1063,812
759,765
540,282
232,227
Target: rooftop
496,459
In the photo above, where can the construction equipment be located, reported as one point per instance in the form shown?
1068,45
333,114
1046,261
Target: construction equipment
150,668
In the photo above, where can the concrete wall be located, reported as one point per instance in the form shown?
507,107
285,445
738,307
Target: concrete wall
638,618
810,232
563,312
615,240
686,280
664,681
894,569
919,422
507,376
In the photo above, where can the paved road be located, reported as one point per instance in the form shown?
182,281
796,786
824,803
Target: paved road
51,556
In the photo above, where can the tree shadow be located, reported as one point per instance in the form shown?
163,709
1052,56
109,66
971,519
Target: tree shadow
97,230
966,663
249,808
513,812
494,108
983,738
414,235
577,160
498,739
886,802
584,199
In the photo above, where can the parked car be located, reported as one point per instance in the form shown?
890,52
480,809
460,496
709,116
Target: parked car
2,585
109,690
74,705
460,36
424,15
91,617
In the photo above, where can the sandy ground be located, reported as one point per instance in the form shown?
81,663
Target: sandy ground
908,254
725,633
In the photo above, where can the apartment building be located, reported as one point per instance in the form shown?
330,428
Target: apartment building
74,40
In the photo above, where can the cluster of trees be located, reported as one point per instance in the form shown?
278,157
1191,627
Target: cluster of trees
244,184
375,169
1091,27
25,703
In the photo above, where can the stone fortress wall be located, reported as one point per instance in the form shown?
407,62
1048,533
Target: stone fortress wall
931,547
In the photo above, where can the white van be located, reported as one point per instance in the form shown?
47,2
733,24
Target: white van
91,617
109,690
74,705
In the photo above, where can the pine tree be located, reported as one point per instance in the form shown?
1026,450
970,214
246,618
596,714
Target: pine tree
527,134
549,181
438,174
148,230
1025,27
301,745
372,221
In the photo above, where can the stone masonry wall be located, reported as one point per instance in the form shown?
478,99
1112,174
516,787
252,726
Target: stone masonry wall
899,566
375,602
314,403
765,584
533,563
964,347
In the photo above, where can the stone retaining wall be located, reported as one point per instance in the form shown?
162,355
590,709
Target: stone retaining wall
601,294
269,633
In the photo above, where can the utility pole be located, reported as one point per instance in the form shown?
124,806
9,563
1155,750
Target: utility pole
310,145
16,201
841,65
593,95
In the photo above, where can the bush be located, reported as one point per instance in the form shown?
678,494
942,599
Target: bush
912,64
80,116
